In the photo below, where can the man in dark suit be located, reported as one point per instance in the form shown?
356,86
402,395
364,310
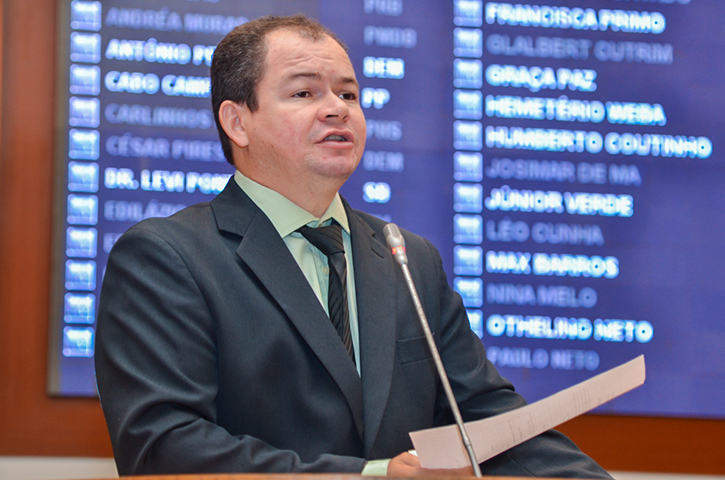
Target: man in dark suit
215,351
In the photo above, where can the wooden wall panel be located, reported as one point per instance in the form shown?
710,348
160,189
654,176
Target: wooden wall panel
31,423
651,444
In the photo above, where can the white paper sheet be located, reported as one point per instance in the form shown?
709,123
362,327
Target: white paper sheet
442,447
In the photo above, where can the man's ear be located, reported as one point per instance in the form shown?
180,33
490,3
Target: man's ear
232,117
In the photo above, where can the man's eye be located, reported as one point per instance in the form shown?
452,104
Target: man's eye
302,94
348,96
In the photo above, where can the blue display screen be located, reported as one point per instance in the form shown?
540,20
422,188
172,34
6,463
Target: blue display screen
563,156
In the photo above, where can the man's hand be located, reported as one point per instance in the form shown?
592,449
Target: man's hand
408,465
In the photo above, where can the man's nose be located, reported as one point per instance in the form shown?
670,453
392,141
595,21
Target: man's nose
334,107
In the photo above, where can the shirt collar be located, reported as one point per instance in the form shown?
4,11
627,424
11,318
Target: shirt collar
285,215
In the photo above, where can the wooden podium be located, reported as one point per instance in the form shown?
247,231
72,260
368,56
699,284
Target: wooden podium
290,476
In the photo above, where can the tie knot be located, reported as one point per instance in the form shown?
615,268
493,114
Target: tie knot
327,239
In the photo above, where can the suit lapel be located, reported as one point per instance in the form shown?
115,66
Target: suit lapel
265,253
375,290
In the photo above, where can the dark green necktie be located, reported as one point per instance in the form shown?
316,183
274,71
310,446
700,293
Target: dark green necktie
329,241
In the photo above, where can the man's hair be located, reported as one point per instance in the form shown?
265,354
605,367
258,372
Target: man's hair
239,62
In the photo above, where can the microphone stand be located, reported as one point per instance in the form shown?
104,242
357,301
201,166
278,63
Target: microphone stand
396,242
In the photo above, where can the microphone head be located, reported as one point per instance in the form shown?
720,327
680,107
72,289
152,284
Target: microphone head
396,242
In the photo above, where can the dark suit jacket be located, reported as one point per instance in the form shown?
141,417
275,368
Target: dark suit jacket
214,355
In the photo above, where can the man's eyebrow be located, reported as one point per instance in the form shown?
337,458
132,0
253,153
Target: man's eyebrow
317,76
311,75
346,80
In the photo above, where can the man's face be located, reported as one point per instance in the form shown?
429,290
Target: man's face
309,130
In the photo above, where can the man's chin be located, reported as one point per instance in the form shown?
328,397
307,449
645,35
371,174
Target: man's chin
340,169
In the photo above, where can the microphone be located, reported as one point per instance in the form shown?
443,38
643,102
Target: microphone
396,242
